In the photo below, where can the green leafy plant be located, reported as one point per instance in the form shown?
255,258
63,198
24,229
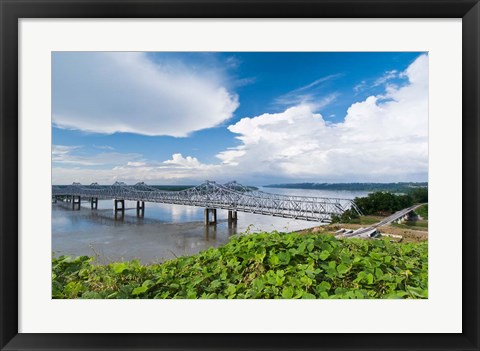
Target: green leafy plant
258,266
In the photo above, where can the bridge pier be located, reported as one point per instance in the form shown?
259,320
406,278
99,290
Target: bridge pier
404,218
140,208
94,203
412,216
120,208
76,202
54,199
232,216
207,213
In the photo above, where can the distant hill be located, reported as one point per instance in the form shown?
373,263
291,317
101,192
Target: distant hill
392,187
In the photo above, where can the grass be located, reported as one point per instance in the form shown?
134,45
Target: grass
414,225
367,220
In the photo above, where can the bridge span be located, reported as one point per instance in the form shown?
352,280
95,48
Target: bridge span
231,196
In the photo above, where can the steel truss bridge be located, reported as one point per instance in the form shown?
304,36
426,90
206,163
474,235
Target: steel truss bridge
231,196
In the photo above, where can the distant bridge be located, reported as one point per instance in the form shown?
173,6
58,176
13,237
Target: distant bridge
231,196
371,232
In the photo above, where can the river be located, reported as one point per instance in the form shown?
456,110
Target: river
165,232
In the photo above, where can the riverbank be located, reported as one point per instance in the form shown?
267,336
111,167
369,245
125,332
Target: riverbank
414,230
260,266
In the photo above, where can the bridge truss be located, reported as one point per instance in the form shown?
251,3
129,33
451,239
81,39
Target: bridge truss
231,196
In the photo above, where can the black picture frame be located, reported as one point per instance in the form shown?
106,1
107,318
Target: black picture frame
13,10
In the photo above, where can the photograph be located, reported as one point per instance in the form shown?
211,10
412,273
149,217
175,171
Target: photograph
239,175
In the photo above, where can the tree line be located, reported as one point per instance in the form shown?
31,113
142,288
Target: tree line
401,187
383,203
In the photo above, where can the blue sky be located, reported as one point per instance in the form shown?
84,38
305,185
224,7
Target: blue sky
181,118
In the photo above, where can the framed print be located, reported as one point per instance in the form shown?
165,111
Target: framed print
239,175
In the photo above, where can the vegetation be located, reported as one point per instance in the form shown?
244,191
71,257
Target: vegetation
265,265
422,211
378,203
390,187
362,220
414,225
384,203
348,216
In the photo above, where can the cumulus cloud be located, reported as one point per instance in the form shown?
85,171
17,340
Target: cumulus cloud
108,92
177,170
179,161
382,138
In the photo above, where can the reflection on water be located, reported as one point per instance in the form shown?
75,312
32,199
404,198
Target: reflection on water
166,231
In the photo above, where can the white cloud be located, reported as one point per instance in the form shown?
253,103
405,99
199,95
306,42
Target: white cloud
382,138
179,161
386,77
309,94
233,62
104,147
136,164
63,154
178,169
108,92
59,151
72,155
360,87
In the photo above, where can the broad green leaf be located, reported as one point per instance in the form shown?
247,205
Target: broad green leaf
139,290
258,284
191,294
148,283
284,257
274,260
119,267
417,292
231,289
342,269
324,255
323,286
307,295
287,292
